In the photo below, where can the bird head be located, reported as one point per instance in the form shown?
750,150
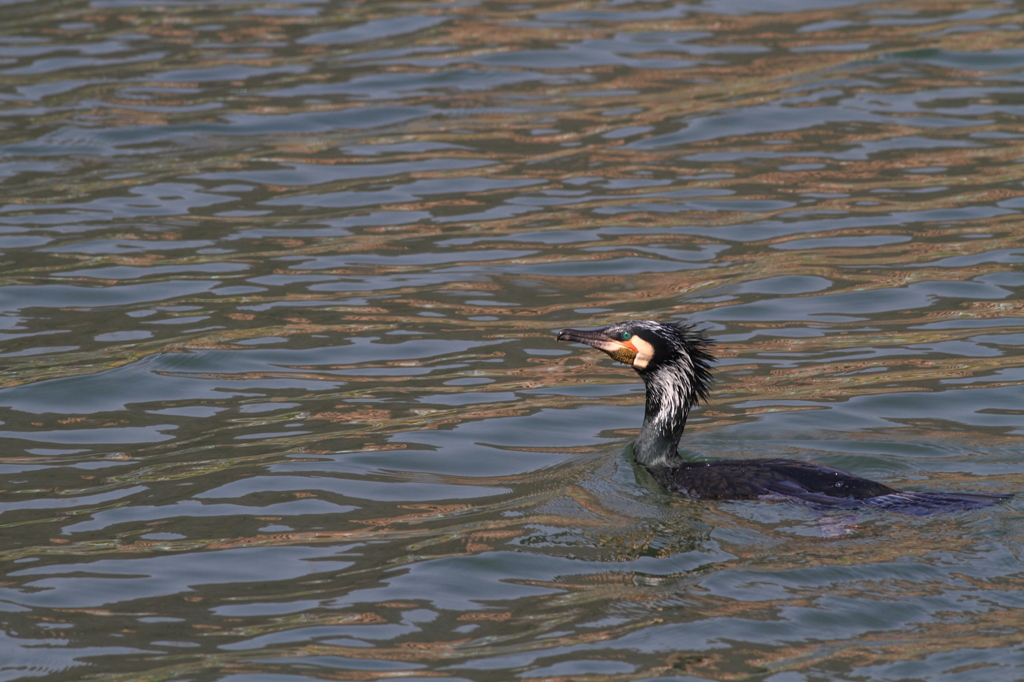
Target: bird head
653,349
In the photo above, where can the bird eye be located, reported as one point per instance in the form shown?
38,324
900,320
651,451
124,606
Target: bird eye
626,336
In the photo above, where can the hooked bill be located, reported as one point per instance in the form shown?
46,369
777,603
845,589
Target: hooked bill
635,352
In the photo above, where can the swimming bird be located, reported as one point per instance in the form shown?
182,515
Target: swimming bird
674,361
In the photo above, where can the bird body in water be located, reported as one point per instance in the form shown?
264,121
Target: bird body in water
674,362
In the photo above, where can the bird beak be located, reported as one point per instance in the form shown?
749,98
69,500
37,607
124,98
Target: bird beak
619,351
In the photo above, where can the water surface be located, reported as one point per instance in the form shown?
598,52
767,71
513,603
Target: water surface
279,389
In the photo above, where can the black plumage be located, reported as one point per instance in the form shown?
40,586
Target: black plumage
674,362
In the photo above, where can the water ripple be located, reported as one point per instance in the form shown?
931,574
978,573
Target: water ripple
280,393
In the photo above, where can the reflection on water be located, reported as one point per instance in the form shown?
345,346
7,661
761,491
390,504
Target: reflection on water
279,392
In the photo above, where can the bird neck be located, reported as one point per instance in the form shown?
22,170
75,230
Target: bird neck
670,394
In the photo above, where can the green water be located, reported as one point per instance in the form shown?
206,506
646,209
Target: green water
279,387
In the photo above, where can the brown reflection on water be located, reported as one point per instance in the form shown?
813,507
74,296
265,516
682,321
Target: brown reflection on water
547,623
612,196
716,76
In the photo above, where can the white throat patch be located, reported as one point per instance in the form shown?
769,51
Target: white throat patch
644,352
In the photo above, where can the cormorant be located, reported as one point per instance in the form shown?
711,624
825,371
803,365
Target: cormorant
674,362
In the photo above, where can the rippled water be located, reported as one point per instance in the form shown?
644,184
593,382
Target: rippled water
280,392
